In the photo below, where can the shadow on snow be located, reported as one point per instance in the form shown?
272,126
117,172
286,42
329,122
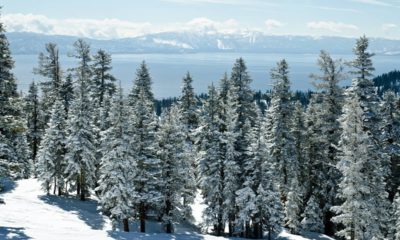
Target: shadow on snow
13,233
86,210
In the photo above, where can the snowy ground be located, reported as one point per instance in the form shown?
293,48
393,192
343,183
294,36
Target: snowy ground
30,214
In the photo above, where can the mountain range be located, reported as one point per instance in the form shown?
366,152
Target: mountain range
197,42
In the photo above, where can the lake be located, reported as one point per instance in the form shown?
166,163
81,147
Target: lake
167,70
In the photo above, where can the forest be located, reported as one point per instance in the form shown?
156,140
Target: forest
323,161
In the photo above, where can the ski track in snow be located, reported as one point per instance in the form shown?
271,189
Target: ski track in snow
31,214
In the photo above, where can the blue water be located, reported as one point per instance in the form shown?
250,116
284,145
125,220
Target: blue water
167,70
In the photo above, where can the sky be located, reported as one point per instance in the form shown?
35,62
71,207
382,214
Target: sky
105,19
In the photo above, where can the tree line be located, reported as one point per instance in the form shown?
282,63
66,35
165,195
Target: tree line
324,163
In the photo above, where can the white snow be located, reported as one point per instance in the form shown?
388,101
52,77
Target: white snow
173,43
28,213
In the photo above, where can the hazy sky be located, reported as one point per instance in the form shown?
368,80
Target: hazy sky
127,18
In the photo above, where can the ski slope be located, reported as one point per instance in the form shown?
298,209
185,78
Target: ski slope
28,213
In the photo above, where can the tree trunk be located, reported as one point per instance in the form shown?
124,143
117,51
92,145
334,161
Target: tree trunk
329,225
59,191
55,186
168,208
83,187
142,218
126,225
352,232
78,186
269,233
247,230
230,228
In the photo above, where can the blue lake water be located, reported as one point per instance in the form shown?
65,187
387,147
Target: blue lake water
167,70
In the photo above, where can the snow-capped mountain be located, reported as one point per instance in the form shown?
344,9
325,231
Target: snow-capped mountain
194,42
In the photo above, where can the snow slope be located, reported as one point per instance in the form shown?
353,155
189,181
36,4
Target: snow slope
31,214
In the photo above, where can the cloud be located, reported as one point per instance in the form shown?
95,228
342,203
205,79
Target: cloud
388,26
110,27
101,29
374,2
336,27
210,26
272,24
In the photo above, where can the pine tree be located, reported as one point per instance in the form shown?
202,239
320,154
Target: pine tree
190,119
81,141
12,124
117,166
103,81
268,200
230,160
143,123
312,216
51,157
362,186
390,134
329,133
49,67
280,140
34,124
211,164
173,156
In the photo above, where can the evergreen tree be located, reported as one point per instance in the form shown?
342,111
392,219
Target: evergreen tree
173,155
146,182
329,132
362,188
12,124
190,119
51,157
81,141
49,67
103,81
211,164
117,166
280,139
390,114
312,216
34,124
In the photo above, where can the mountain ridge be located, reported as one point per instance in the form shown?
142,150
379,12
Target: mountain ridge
198,42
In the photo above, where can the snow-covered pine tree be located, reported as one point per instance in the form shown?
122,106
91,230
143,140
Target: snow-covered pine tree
331,109
299,136
51,156
390,114
117,166
245,108
256,156
316,154
146,181
279,137
81,141
49,67
268,203
33,118
211,164
188,105
281,145
12,124
363,211
173,155
312,216
230,160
